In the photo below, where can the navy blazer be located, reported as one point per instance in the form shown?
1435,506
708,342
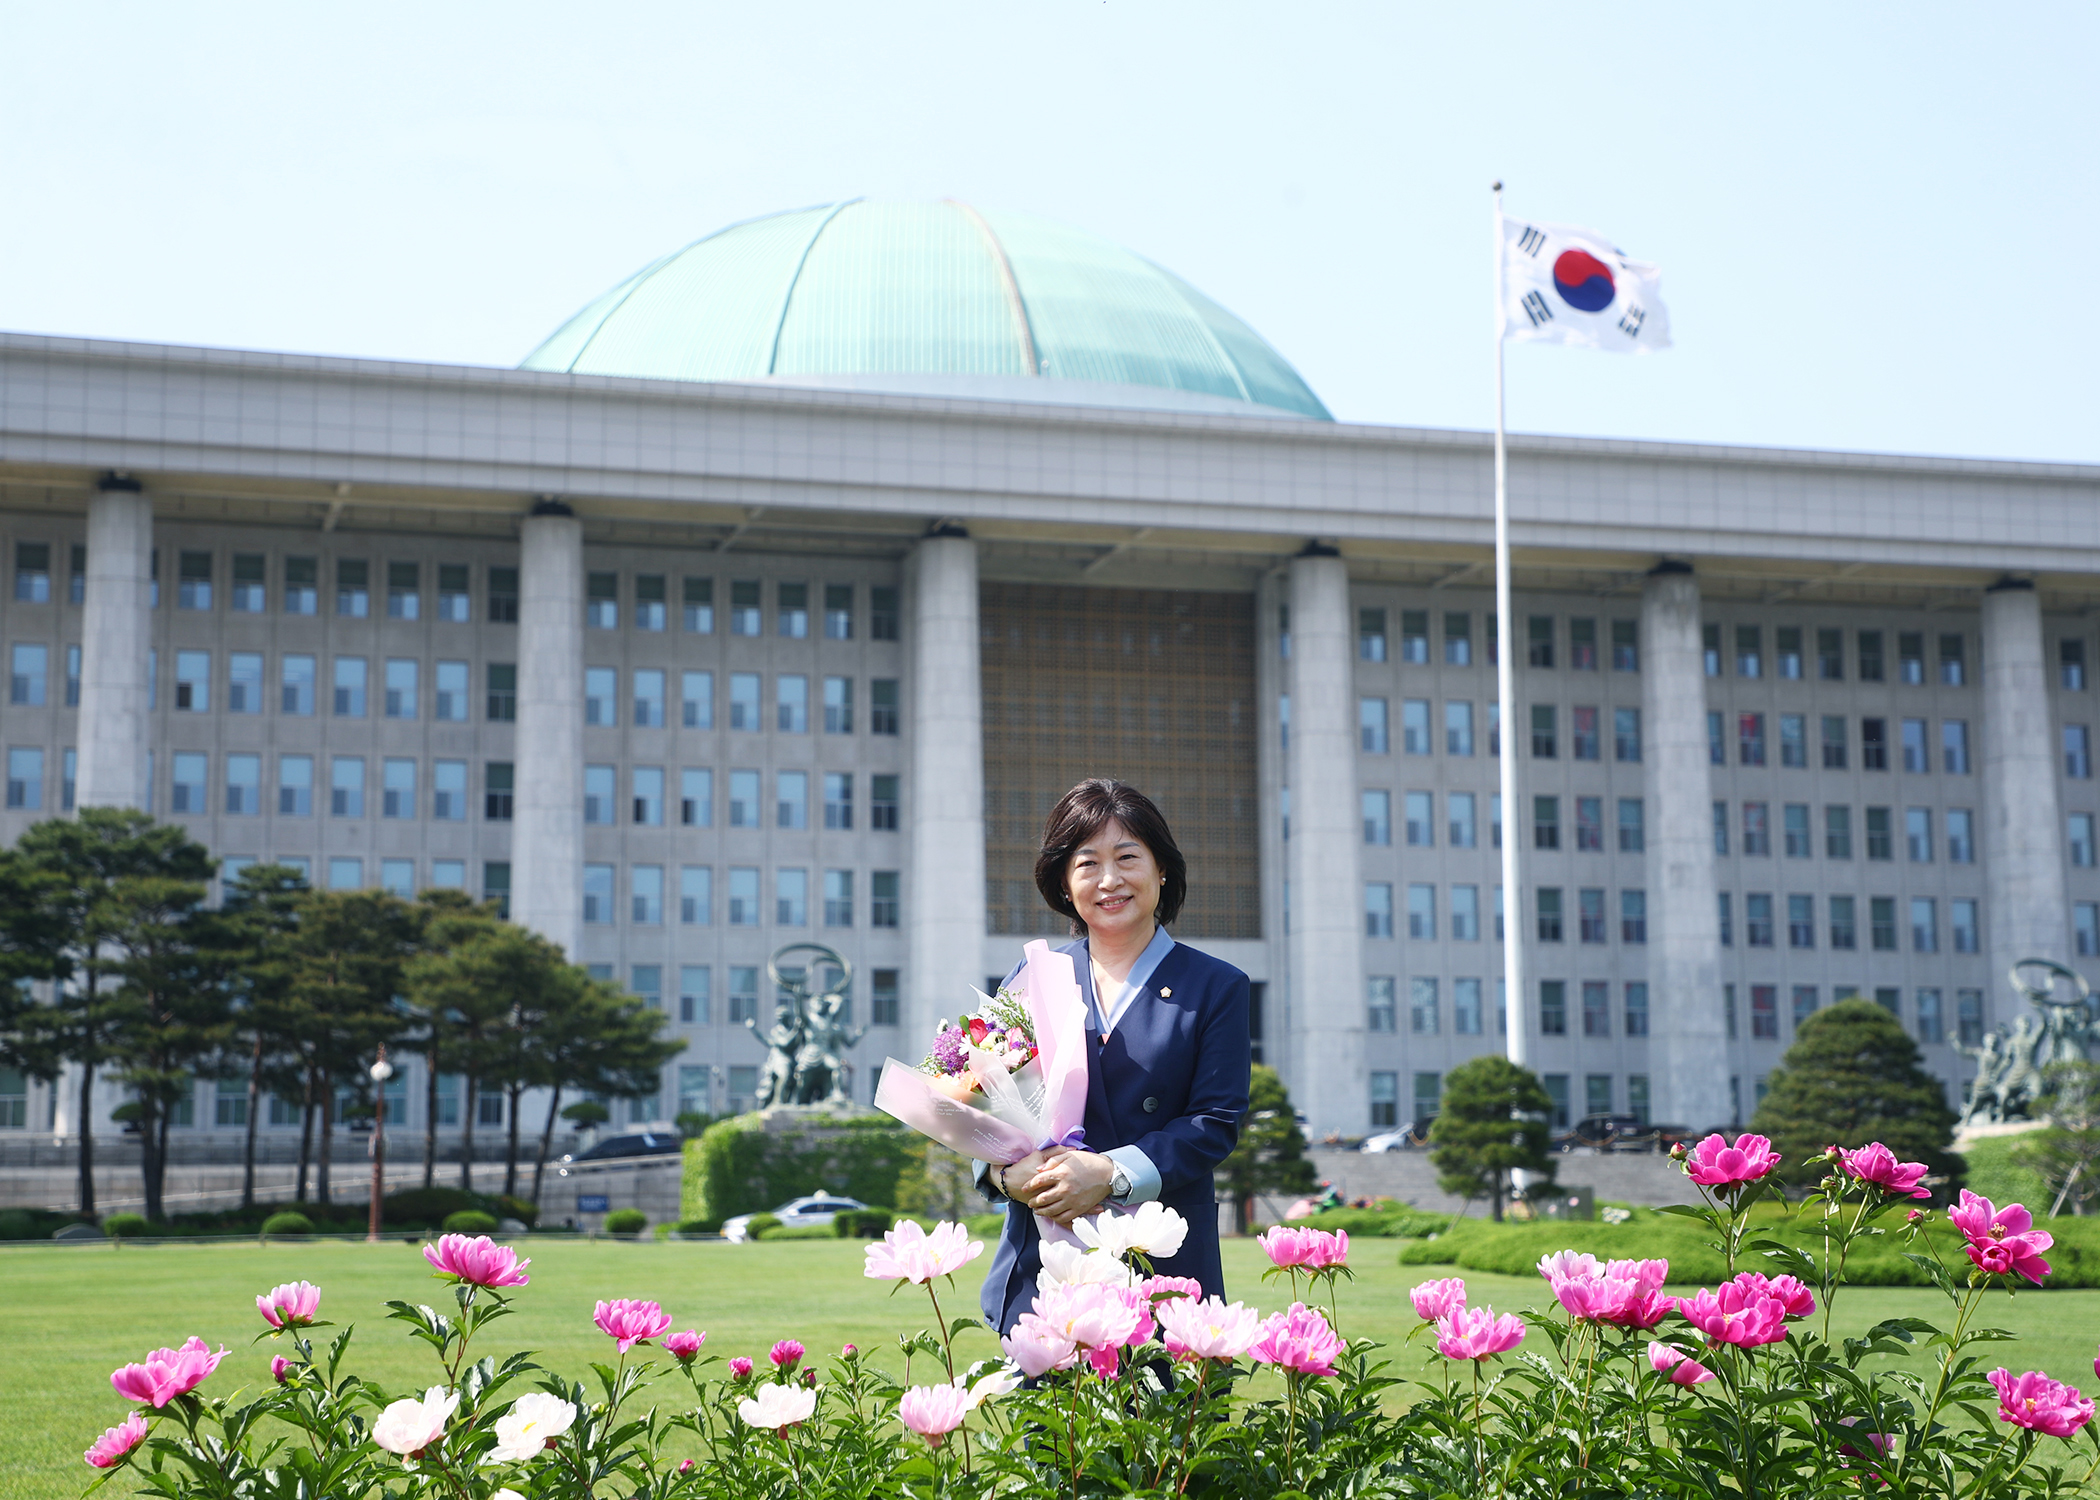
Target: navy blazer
1170,1080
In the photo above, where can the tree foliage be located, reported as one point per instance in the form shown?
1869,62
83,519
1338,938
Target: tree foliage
1270,1156
1493,1123
1854,1075
2065,1153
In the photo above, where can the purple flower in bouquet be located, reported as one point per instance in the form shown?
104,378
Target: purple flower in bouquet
948,1053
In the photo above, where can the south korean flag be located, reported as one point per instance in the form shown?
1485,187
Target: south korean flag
1563,285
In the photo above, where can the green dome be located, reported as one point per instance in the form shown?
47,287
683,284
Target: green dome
930,298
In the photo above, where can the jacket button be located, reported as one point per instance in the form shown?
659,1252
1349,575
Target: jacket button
1151,1106
1165,993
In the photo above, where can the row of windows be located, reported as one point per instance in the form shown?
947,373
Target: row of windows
745,904
1585,653
1842,913
1797,832
351,684
1928,1019
356,584
1585,741
1600,1096
1834,751
837,903
1743,647
400,794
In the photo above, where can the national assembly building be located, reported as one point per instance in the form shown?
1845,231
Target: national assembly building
776,596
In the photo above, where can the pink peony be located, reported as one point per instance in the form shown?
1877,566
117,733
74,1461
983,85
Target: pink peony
1877,1166
1792,1295
1299,1341
1209,1329
1433,1299
2001,1240
629,1321
1285,1246
1038,1347
1671,1361
1092,1314
109,1449
1731,1315
786,1355
1156,1287
740,1368
1716,1164
2035,1401
1624,1293
909,1253
1327,1250
1568,1263
478,1261
683,1346
1476,1333
933,1411
167,1373
292,1305
280,1369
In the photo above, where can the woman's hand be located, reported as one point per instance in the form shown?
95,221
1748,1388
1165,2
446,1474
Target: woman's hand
1016,1181
1070,1184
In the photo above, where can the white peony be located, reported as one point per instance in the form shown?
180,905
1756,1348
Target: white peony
409,1426
999,1382
532,1423
1069,1265
778,1406
1154,1229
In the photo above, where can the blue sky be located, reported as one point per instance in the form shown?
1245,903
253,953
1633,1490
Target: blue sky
1875,223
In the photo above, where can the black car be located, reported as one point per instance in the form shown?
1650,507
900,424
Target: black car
614,1147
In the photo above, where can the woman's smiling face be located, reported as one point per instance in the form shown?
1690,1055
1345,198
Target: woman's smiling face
1114,882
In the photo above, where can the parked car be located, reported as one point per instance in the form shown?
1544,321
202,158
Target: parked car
1607,1132
613,1147
812,1212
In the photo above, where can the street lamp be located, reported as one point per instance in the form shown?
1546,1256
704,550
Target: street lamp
382,1070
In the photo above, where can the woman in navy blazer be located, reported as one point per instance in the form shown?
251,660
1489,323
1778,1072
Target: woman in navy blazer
1168,1053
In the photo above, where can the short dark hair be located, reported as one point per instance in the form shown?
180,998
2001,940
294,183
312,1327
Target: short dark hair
1083,812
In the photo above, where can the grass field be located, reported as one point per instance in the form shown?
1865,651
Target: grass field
69,1316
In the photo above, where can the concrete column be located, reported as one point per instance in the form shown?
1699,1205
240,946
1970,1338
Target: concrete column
1687,1045
116,635
944,894
2025,905
1269,598
546,848
1328,1078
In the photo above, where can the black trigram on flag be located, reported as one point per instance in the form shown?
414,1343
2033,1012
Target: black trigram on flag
1631,320
1535,308
1531,241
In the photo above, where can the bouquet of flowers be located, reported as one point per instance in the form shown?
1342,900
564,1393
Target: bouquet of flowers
1008,1080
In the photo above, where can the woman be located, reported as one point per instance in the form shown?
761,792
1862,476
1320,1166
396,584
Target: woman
1168,1055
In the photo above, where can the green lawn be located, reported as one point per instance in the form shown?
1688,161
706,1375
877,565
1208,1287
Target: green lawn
72,1315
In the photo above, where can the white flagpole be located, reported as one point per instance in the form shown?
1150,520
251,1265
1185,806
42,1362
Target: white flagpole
1517,1044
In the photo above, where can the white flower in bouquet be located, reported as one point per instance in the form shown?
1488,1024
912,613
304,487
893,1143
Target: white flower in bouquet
1154,1230
1069,1265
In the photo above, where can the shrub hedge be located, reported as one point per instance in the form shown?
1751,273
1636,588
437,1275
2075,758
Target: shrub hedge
469,1221
626,1222
1514,1249
738,1167
126,1226
287,1223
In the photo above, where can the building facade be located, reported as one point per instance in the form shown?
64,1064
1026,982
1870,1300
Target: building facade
683,667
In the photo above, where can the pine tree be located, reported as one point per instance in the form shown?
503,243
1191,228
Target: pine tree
1852,1076
1493,1122
1270,1156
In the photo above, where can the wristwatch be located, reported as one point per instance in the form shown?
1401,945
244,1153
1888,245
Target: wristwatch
1119,1185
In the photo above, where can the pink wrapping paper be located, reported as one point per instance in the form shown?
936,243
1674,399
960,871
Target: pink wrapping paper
1057,1008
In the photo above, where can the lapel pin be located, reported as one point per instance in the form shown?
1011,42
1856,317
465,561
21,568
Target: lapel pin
1165,993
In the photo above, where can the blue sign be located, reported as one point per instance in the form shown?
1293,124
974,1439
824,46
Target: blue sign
592,1203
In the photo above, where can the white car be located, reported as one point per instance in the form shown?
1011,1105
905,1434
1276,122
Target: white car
813,1212
1392,1140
